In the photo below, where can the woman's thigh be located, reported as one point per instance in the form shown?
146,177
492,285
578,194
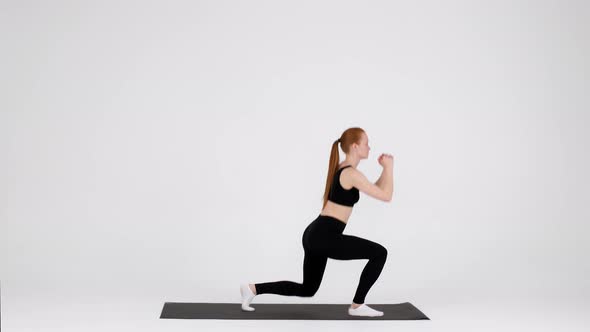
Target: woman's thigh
313,269
347,247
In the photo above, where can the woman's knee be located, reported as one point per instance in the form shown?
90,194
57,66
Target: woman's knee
309,291
381,251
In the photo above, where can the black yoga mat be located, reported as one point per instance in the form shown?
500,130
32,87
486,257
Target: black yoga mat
400,311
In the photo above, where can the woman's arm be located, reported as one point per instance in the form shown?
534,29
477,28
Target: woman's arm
385,181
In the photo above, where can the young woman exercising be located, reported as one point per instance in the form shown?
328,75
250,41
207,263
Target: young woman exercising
323,238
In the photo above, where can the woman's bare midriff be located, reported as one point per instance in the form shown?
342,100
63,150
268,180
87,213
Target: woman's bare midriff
335,210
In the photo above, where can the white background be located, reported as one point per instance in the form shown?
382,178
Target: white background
168,151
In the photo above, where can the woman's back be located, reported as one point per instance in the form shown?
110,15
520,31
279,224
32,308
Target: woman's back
333,209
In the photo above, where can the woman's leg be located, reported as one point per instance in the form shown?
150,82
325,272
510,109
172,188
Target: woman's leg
313,272
348,247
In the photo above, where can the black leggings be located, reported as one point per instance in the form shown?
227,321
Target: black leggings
323,239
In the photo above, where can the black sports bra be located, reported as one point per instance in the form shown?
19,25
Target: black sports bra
340,195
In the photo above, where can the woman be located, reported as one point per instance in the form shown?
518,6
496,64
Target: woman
323,238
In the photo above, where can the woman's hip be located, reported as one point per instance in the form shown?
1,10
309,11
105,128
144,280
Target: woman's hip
322,229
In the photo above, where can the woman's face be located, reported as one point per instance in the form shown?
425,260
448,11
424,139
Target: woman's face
363,147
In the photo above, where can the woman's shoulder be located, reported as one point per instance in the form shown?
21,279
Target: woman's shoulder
347,172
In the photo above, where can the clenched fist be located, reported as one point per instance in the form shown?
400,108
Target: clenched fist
385,160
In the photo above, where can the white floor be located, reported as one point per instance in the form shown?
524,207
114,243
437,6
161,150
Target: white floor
117,313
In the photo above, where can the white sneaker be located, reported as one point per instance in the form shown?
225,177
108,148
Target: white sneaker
247,296
364,310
